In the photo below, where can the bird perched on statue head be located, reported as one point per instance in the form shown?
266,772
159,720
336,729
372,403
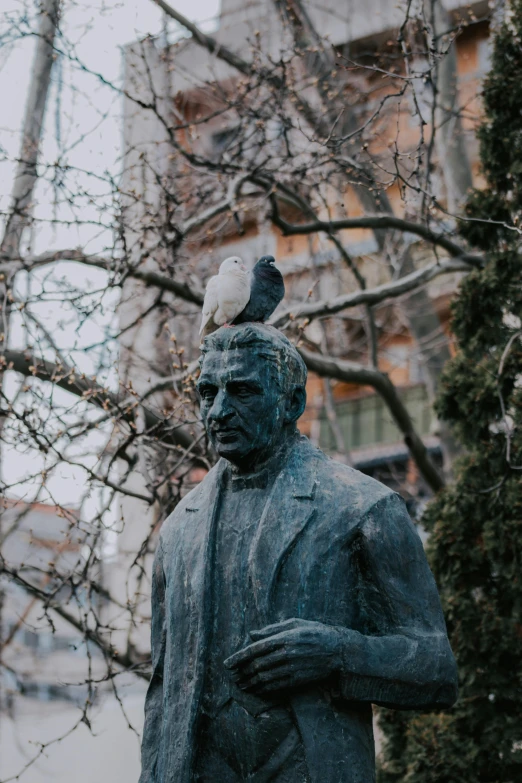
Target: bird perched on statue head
266,291
226,296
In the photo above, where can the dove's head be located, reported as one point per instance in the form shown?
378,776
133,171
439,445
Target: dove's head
252,390
266,268
266,262
232,264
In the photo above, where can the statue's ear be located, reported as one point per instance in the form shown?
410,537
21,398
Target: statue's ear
295,404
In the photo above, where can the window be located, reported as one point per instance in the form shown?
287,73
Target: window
417,369
366,421
45,691
222,140
484,50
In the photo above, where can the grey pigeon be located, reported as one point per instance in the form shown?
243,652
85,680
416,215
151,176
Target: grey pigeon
266,291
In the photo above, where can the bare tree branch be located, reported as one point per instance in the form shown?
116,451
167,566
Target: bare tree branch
329,367
213,46
371,296
93,635
183,290
207,41
378,222
311,310
73,381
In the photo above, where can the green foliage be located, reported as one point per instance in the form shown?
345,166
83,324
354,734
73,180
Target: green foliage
475,546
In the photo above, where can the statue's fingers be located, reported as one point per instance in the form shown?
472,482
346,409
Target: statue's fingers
271,630
283,678
254,650
262,678
277,685
264,662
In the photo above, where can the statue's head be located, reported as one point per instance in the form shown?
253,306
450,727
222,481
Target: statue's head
252,390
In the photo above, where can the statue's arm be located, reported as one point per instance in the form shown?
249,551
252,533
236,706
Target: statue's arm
154,699
405,662
397,654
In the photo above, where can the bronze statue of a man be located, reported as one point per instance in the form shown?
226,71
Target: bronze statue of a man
290,592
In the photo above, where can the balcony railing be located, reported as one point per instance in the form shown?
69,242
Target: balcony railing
366,421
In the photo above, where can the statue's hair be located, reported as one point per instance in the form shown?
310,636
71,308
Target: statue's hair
269,343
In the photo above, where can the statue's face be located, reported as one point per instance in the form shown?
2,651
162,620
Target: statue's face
243,405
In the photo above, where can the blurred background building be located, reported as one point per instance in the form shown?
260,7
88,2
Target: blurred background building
42,662
46,665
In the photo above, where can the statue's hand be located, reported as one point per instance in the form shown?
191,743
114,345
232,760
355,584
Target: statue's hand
285,655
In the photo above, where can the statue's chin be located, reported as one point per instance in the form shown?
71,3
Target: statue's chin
232,451
241,457
243,454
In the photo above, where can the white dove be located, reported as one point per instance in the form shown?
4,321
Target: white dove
226,296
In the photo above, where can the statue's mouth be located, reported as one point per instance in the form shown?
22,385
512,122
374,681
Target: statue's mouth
226,435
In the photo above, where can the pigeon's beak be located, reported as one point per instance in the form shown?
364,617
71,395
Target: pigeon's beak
243,267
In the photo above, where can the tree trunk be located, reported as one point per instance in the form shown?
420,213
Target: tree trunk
26,174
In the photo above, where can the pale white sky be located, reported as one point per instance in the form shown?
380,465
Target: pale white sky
83,127
99,30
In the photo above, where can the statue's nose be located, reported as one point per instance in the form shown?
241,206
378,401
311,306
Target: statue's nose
221,409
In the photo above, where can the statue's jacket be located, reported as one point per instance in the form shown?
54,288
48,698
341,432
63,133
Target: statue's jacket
334,546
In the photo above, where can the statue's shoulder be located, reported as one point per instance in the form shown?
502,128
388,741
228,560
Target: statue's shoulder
341,487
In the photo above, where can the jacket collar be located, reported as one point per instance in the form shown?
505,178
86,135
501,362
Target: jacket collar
288,509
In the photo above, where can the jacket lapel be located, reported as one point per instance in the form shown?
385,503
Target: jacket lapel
199,526
199,549
197,552
287,512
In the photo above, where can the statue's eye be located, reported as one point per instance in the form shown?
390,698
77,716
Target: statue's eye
207,392
243,390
